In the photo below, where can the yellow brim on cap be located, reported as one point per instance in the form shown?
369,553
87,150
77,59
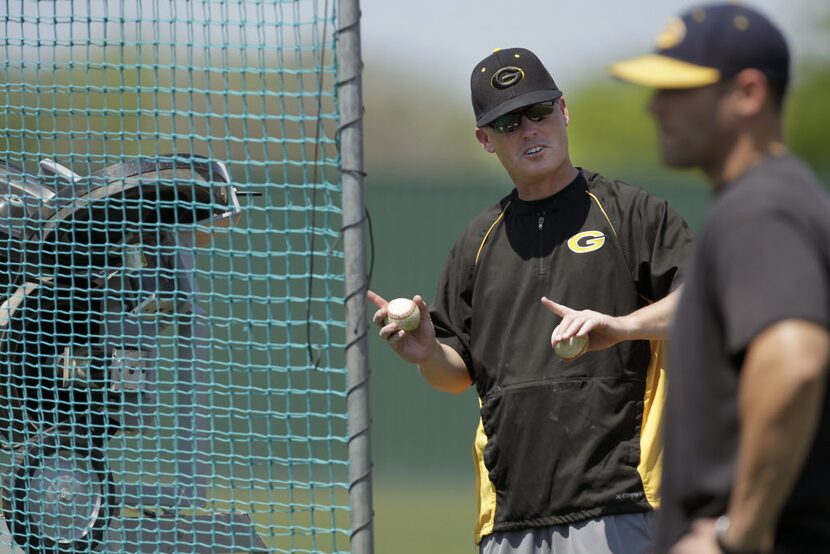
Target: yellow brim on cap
658,71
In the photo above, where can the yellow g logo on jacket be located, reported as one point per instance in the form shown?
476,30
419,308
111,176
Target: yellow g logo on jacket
587,241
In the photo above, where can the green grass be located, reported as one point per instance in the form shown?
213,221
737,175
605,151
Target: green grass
412,516
291,521
423,516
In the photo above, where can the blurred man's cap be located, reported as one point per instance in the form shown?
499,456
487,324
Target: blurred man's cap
508,80
708,44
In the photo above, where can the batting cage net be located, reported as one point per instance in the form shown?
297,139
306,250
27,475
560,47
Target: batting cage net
172,374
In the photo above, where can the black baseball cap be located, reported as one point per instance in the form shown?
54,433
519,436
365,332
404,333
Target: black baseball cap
508,80
708,44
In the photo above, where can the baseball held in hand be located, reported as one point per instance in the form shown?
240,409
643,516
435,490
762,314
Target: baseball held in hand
404,312
571,348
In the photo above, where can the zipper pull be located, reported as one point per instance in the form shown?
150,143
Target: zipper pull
541,224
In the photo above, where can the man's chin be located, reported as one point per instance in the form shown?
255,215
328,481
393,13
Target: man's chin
678,158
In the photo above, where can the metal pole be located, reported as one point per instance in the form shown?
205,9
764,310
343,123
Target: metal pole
349,90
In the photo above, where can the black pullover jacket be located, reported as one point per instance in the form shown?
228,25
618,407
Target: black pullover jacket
560,442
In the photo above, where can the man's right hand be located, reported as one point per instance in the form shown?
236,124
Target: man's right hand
440,365
413,346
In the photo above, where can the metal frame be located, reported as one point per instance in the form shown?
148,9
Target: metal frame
350,134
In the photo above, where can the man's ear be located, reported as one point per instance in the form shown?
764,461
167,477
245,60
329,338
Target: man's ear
751,90
484,139
564,107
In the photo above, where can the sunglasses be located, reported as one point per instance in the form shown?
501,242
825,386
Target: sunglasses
509,122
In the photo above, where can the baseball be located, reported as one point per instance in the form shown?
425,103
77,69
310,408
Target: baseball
571,348
404,312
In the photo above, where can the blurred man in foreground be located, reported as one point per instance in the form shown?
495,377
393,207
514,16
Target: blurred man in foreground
748,418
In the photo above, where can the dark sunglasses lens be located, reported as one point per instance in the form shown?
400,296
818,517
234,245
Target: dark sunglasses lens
511,121
506,123
538,111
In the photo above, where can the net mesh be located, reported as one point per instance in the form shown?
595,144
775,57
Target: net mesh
171,361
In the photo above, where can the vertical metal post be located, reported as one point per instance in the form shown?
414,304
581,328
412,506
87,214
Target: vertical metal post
350,97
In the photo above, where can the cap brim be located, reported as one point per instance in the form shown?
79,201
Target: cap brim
657,71
517,103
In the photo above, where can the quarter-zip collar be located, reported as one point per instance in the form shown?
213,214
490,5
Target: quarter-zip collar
574,189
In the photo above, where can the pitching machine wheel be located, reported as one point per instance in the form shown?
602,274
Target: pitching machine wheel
59,497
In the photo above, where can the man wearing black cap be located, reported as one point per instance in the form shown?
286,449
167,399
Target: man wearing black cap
567,451
748,417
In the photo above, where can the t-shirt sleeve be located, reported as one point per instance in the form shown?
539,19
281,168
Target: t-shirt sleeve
661,245
451,312
767,271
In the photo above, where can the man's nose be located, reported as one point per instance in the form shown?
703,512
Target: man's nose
528,127
656,103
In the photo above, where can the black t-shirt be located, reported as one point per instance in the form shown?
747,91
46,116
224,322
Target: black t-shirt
764,257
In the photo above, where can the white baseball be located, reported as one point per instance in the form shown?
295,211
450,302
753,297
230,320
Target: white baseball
404,312
571,348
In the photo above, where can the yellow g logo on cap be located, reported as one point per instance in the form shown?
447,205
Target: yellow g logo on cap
672,34
507,77
587,241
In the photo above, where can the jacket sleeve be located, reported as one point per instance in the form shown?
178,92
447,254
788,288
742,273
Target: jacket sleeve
660,244
452,310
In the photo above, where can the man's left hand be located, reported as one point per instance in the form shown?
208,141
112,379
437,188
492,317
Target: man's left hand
603,330
700,540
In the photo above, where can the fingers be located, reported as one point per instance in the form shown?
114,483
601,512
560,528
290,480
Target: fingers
578,327
387,331
391,331
557,309
380,315
574,323
395,338
422,307
376,299
571,326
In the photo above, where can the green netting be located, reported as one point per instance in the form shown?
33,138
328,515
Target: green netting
171,345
